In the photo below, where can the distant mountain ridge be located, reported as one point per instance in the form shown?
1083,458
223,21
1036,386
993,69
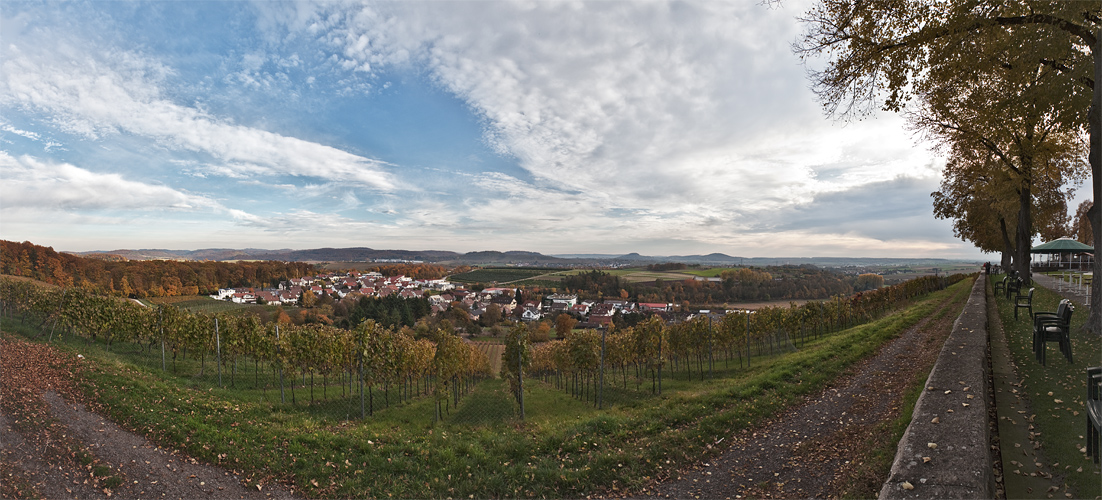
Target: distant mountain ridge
491,257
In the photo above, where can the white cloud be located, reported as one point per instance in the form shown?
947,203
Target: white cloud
32,185
663,128
95,94
665,107
24,133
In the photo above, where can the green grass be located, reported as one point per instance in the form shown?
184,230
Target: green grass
565,448
1056,392
202,304
713,272
498,275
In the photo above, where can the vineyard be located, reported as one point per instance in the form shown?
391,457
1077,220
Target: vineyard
376,412
630,362
368,358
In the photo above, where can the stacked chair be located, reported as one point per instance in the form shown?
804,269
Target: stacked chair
1053,327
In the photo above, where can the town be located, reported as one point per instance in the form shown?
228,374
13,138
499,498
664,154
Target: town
504,302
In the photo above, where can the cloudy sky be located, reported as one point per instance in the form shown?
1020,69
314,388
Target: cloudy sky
581,127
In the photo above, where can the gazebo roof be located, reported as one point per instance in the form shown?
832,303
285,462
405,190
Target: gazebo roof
1062,245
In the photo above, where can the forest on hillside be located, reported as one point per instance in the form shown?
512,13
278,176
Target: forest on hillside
142,278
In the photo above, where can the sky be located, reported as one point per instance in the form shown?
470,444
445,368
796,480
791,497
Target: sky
663,128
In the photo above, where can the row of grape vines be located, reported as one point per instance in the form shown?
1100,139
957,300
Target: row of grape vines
369,355
587,362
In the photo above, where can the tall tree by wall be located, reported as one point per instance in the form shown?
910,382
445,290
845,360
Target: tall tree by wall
880,54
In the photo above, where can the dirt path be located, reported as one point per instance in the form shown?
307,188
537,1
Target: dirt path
812,452
51,446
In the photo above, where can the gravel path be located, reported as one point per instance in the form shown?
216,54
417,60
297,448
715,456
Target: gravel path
51,446
811,451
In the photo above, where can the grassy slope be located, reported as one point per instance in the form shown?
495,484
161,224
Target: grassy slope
565,448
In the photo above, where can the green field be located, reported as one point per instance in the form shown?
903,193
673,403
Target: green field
501,275
712,272
203,304
480,448
637,274
552,277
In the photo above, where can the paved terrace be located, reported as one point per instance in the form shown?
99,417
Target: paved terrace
1075,291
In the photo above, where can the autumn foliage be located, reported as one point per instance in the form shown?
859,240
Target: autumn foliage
145,278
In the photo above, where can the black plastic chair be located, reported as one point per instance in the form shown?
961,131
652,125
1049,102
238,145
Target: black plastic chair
1000,286
1013,287
1024,302
1053,327
1047,315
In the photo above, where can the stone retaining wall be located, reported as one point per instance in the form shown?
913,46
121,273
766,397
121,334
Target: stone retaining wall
946,450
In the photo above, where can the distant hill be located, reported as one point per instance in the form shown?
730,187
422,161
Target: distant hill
492,257
356,254
511,257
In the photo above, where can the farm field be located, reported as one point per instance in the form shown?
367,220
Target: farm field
201,304
552,277
493,350
567,447
711,272
500,275
754,306
636,274
897,274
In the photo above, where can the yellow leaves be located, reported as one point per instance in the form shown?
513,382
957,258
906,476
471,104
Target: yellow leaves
907,485
932,446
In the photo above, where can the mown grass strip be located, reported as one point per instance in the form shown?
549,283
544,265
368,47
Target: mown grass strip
1056,394
873,468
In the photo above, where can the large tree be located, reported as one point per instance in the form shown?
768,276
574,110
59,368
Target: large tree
1080,227
998,122
975,195
883,53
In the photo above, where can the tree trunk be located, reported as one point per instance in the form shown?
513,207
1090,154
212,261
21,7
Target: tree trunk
1094,322
1024,234
1008,247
